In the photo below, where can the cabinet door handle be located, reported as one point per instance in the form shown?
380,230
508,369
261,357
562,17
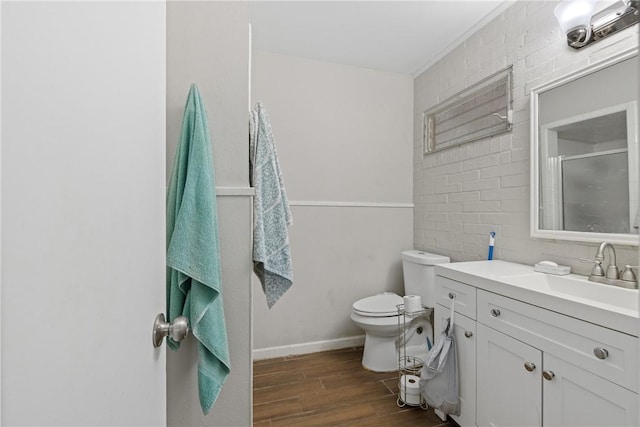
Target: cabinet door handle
548,375
529,366
495,312
468,334
452,295
601,353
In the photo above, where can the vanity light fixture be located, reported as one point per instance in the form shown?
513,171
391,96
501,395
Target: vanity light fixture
584,25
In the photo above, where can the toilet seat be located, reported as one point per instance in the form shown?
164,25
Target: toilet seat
381,305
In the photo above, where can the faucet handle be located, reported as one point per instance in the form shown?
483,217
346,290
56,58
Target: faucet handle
628,273
597,269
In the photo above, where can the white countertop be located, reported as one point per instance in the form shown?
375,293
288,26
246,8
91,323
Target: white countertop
572,295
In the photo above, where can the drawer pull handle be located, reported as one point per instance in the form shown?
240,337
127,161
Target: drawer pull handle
601,353
529,366
452,295
548,375
468,334
495,312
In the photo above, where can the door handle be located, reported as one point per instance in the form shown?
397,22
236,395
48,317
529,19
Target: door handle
177,330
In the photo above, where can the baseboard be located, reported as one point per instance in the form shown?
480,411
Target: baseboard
306,348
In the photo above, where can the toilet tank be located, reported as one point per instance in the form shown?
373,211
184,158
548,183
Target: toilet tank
419,275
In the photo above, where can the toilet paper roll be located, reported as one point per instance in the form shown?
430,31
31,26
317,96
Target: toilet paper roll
412,303
410,384
410,389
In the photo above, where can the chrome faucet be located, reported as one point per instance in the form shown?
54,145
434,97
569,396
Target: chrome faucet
612,269
612,275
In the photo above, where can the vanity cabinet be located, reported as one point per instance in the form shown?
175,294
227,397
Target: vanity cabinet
541,368
526,365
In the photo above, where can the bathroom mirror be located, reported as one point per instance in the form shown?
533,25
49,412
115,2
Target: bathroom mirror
584,154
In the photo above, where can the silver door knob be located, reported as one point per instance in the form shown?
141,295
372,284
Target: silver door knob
177,330
601,353
548,375
452,295
495,312
468,334
529,366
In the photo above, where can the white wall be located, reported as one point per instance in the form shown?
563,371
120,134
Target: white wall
208,44
463,193
343,136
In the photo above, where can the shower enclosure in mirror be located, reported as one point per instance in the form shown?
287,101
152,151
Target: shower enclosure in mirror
584,154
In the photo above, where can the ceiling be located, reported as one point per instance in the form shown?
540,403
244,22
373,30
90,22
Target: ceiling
398,36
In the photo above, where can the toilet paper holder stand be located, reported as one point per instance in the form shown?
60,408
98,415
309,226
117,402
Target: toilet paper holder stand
409,366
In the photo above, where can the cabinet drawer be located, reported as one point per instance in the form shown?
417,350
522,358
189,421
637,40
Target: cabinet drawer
465,296
574,340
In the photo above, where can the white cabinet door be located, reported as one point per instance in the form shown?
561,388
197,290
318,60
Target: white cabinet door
508,394
576,397
83,223
464,331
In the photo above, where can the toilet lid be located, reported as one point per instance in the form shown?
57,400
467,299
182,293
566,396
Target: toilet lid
378,305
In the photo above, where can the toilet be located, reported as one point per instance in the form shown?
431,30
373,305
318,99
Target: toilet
378,315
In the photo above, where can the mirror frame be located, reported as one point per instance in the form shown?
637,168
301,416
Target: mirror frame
578,236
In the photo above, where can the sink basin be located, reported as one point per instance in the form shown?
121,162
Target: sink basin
578,288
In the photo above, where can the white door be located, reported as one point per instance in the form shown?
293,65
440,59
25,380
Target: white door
464,331
576,397
83,190
509,379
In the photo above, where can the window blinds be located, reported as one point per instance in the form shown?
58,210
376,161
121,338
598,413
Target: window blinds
480,111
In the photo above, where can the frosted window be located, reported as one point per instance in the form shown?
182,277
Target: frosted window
480,111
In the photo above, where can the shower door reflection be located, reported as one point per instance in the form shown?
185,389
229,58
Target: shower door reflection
596,202
589,174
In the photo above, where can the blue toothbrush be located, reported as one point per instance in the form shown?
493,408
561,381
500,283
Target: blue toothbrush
492,241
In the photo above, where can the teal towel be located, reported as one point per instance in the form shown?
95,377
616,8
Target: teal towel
271,253
194,287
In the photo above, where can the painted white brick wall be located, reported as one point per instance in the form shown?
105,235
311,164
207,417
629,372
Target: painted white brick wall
463,193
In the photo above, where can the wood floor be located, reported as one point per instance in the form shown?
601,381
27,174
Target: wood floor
330,389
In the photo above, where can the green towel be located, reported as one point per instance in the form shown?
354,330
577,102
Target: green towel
194,287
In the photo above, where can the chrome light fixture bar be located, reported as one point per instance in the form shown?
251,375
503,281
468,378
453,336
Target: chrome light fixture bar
584,26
